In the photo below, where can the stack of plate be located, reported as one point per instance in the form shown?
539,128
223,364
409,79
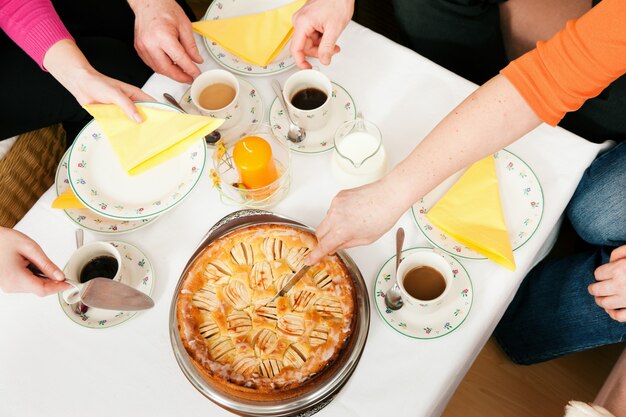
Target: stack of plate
116,201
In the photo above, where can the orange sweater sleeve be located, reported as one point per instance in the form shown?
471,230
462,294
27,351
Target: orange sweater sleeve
576,64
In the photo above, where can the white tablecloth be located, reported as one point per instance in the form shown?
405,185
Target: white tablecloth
51,366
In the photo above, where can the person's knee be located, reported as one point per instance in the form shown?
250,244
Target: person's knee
597,209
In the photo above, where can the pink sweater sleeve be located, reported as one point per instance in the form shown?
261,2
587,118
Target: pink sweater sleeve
33,25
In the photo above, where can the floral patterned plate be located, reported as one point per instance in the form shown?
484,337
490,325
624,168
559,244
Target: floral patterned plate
102,185
316,141
137,273
232,8
250,104
522,203
89,220
432,325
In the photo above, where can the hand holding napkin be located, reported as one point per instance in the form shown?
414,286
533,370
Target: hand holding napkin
256,38
471,213
162,135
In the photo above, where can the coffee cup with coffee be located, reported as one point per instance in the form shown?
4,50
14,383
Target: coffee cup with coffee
425,279
215,93
93,260
308,96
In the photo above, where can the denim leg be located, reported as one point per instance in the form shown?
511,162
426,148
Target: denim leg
552,313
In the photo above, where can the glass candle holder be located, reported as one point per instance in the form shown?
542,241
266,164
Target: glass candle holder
227,178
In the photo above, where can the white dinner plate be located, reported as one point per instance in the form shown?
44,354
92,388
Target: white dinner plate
89,220
221,9
251,106
137,273
321,140
521,196
99,181
441,322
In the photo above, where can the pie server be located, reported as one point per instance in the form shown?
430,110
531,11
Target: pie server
292,281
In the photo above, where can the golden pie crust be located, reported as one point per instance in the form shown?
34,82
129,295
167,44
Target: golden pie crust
253,349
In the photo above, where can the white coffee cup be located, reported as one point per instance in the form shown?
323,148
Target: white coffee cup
81,257
313,119
418,259
230,112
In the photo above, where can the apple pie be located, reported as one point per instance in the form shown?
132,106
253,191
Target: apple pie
247,345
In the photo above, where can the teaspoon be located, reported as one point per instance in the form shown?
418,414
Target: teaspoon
393,299
296,134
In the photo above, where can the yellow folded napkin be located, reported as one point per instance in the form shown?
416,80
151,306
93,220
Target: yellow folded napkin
256,38
67,200
162,135
471,213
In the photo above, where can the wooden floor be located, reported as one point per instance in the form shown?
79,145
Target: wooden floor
495,386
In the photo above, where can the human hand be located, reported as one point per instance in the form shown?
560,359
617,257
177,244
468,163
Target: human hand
317,26
356,217
610,290
164,39
17,251
70,67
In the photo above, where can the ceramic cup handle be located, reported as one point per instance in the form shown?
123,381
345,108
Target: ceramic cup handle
72,295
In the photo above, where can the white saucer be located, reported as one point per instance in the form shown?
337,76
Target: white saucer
233,8
521,198
89,220
138,273
321,140
250,104
432,325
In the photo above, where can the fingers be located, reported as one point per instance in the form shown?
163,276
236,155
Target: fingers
164,65
618,253
25,282
31,251
181,59
189,43
327,245
618,315
298,43
327,44
128,107
611,302
602,289
136,94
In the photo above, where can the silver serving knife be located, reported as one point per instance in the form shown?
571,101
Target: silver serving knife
112,295
292,281
104,293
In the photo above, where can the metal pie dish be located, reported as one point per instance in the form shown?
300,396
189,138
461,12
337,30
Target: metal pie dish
314,393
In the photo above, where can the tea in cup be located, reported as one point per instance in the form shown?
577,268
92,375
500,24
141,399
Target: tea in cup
93,260
308,96
424,278
215,93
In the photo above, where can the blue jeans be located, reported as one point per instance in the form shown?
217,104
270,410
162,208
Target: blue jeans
552,313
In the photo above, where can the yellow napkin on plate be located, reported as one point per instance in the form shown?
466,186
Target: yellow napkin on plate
67,200
256,38
471,213
162,135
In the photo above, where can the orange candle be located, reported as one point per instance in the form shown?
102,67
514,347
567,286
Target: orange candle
253,158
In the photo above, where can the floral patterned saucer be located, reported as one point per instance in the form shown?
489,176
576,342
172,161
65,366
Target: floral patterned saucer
137,273
343,110
101,184
522,204
432,325
250,104
89,220
232,8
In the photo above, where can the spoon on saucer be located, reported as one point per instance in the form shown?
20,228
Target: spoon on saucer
296,134
211,138
393,299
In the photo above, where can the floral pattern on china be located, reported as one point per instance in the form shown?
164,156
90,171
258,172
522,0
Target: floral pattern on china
232,8
522,202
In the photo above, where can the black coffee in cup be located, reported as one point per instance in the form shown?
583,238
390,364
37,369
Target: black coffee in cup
309,99
100,267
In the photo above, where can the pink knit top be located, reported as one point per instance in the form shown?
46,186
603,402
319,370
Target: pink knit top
33,25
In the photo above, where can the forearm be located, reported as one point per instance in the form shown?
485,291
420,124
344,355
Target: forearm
489,119
67,64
